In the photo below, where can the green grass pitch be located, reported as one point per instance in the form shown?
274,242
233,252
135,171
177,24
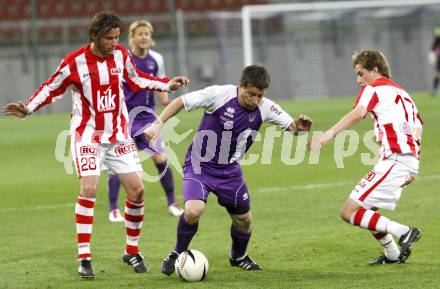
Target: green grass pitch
298,236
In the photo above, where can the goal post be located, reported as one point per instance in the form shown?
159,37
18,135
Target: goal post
248,11
308,46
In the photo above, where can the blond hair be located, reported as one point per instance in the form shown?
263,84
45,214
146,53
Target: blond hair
369,59
135,25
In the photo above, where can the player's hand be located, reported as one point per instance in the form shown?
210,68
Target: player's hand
175,83
152,132
16,109
314,144
317,142
409,179
303,123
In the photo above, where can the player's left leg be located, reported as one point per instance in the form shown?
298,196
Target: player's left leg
232,193
84,213
122,158
134,216
241,234
167,182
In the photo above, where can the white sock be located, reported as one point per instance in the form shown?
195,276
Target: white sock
390,247
397,229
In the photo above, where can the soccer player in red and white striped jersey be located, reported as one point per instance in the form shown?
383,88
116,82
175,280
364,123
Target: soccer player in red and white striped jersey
94,74
398,128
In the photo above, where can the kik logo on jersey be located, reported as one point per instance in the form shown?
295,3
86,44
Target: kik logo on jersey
106,100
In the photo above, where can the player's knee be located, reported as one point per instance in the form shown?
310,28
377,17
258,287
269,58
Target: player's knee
159,159
345,214
247,220
192,214
89,190
243,222
137,193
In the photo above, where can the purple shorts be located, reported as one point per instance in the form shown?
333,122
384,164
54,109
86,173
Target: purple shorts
231,191
137,129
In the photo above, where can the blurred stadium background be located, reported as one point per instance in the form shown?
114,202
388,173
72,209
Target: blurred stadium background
308,53
298,236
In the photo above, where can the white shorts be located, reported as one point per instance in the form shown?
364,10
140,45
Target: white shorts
119,157
382,186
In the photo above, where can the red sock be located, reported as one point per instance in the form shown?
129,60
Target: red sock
134,215
84,222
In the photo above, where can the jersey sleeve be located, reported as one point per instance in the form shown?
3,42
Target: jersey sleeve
367,98
273,113
52,89
160,66
204,98
137,80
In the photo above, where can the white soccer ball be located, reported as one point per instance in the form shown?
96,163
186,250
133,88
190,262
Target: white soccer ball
191,266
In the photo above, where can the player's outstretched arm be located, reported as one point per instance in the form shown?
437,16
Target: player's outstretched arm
152,132
346,122
17,109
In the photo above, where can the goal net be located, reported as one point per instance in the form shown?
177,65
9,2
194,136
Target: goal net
307,47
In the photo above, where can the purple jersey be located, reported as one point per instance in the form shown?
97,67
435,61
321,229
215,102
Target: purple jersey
227,130
152,64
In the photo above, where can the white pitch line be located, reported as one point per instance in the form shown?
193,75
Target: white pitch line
260,190
300,187
35,208
324,185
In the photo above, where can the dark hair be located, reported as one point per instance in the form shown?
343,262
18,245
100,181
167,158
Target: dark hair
255,75
369,59
103,22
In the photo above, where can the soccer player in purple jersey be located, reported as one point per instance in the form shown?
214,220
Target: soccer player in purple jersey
151,62
233,115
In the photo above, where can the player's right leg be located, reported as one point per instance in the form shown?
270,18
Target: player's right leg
436,78
186,229
195,194
134,216
391,250
381,188
84,213
366,218
87,158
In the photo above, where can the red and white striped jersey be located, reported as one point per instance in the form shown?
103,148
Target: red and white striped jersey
99,113
397,123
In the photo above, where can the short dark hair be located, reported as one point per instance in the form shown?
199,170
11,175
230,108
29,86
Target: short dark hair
369,59
103,22
255,75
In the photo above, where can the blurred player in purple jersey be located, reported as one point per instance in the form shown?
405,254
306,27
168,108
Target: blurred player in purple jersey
151,62
233,115
434,58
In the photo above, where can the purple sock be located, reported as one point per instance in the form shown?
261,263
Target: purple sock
113,191
167,181
240,242
185,233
